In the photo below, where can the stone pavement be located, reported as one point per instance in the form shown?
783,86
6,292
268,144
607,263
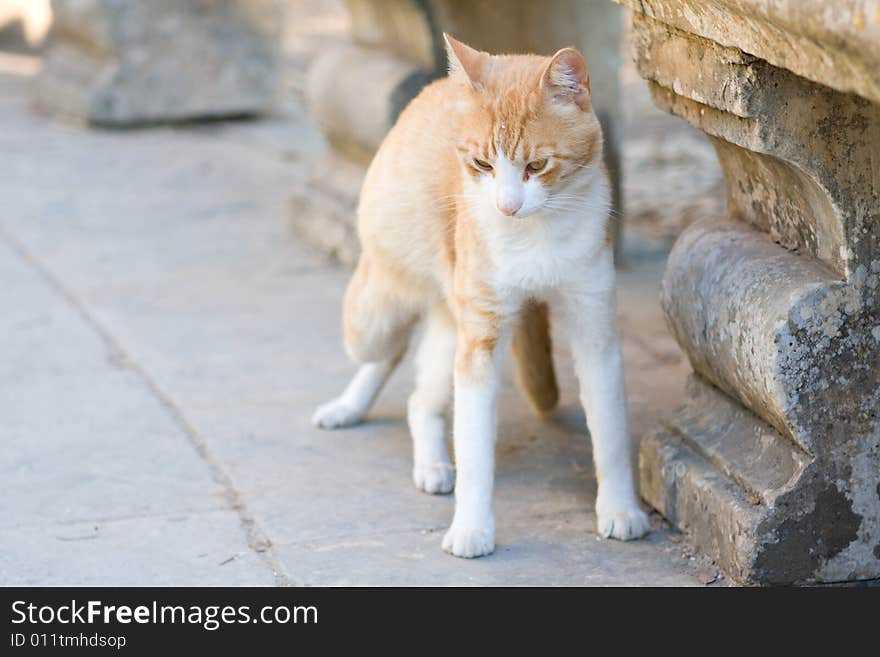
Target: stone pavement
165,338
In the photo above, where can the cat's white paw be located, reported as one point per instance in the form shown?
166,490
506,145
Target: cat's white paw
434,478
337,413
469,542
623,523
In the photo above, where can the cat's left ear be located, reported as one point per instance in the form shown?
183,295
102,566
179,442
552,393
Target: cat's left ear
566,78
464,60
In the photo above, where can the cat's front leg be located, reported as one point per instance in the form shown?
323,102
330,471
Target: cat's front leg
475,424
590,320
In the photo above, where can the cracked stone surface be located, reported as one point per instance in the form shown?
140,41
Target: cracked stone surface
166,337
775,305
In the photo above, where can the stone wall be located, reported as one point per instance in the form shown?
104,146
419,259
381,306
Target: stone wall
773,463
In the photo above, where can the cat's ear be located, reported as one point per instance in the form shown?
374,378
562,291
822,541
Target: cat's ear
566,78
464,60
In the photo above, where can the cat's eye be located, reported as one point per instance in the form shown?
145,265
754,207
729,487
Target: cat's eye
536,166
485,166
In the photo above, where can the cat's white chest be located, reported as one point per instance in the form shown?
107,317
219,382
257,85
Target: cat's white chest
540,254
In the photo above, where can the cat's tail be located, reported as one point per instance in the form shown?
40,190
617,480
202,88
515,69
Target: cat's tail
533,354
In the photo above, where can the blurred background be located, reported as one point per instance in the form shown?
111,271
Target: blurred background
177,190
201,60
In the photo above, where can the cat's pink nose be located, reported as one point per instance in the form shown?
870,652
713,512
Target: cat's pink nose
508,207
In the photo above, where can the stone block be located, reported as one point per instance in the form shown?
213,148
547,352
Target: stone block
772,464
121,63
353,95
834,43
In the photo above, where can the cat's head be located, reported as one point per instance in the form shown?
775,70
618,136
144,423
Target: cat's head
528,139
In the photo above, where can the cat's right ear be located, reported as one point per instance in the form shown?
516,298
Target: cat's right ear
464,60
567,79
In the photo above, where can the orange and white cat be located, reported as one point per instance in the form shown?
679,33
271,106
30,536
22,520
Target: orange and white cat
485,213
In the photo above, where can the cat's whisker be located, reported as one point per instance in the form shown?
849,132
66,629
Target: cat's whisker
578,204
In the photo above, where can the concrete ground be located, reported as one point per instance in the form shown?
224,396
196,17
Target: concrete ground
166,337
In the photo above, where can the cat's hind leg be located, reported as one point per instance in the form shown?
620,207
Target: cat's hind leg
378,318
352,406
432,468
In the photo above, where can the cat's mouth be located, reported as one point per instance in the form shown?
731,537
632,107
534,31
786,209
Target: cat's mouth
522,214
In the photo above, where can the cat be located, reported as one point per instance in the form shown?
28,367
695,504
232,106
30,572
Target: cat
484,214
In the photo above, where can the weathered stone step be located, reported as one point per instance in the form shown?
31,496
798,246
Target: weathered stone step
711,508
737,443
